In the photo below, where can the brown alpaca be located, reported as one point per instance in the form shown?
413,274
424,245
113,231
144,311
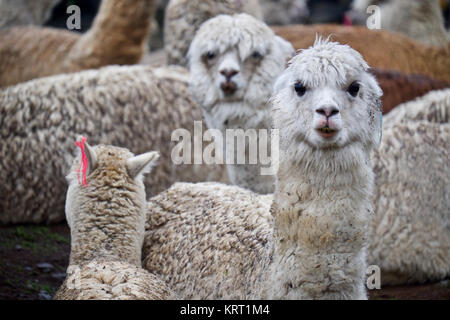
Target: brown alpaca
380,49
118,36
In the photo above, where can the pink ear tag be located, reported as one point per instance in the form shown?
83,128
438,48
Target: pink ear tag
347,20
84,163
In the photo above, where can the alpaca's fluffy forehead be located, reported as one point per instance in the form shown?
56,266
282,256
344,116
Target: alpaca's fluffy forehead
240,31
110,154
106,156
327,63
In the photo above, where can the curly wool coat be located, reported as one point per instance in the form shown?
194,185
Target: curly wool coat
136,107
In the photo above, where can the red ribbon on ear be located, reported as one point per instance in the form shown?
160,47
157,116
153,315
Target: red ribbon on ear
84,163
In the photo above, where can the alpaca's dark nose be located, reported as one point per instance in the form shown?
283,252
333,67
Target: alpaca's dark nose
229,73
328,111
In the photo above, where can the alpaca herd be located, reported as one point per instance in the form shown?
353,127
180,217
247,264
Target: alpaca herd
352,188
316,229
134,106
118,36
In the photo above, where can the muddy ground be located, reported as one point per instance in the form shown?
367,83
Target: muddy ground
33,260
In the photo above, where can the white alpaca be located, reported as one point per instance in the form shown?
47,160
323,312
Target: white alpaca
216,241
234,61
106,220
238,111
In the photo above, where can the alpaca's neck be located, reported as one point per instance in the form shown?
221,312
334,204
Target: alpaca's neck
119,33
231,117
111,229
321,218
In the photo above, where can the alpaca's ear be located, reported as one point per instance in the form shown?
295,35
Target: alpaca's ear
286,48
91,157
142,163
376,93
372,83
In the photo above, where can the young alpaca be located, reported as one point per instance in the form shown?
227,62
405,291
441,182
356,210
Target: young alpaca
420,20
118,36
310,243
106,219
184,17
234,61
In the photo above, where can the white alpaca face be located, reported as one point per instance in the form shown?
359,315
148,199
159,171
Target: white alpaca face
327,98
235,59
230,73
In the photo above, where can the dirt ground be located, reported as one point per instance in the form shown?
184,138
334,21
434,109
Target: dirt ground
33,260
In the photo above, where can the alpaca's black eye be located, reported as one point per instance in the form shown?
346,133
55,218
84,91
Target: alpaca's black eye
353,89
210,55
256,55
300,89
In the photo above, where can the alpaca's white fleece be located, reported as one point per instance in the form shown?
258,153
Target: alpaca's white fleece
433,107
208,240
410,238
114,280
138,107
311,243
